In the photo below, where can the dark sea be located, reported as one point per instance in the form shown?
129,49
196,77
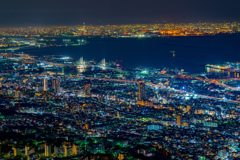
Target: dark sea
192,53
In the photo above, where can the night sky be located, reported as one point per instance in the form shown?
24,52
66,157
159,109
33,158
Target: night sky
102,12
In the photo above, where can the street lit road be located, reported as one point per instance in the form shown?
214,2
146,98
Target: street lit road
164,87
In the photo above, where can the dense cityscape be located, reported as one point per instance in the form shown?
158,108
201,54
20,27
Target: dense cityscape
133,30
53,106
63,36
119,80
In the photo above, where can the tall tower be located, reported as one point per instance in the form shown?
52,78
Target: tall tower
45,84
81,61
56,85
16,151
141,91
87,90
189,109
75,149
66,148
47,149
103,62
179,120
118,114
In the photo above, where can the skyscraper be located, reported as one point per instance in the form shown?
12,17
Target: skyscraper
141,91
45,84
103,62
81,61
189,108
66,148
179,120
87,90
47,149
118,114
56,85
75,149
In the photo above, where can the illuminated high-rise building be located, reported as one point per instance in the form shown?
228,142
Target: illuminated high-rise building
75,149
179,120
47,149
45,84
141,91
103,62
66,148
27,150
16,151
189,109
118,114
56,85
87,126
81,61
100,98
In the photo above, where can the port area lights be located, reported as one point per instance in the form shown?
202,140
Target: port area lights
145,71
65,58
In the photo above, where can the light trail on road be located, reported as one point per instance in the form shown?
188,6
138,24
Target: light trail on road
164,87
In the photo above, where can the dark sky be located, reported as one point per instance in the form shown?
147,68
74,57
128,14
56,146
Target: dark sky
72,12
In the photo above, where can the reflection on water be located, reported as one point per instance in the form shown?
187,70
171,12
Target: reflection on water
222,73
81,68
